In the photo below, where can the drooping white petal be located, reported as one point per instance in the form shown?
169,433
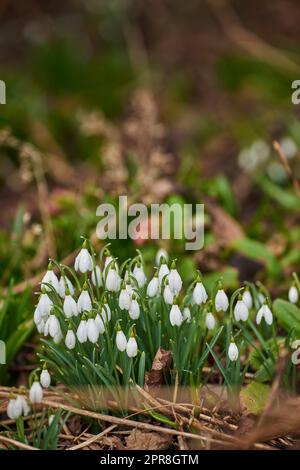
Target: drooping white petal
233,352
131,347
84,303
186,315
153,287
44,305
100,324
241,311
199,294
70,307
163,272
113,280
210,321
45,378
70,340
82,332
168,295
36,392
139,275
293,294
96,276
221,301
62,286
175,281
134,310
247,299
121,341
175,316
92,331
83,261
124,299
161,255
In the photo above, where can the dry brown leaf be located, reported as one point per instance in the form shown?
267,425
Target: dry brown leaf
140,440
226,229
161,363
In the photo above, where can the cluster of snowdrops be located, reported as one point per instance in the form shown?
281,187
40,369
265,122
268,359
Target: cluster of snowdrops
103,323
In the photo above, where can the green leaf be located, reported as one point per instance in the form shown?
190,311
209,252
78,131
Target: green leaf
257,251
288,315
254,397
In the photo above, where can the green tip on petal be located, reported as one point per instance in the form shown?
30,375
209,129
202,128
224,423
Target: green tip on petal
85,286
50,265
85,244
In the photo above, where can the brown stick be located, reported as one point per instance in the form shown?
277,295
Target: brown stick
286,166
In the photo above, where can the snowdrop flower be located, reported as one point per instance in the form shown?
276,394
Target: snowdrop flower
153,286
58,337
44,304
36,392
221,300
240,310
99,324
41,327
233,352
247,298
96,276
199,293
45,378
50,278
168,294
112,281
186,315
81,332
37,316
83,261
264,312
163,271
70,306
134,309
121,341
124,298
161,255
108,262
175,281
52,325
22,402
261,298
131,347
92,331
175,315
210,321
139,275
14,409
70,340
293,294
84,303
64,283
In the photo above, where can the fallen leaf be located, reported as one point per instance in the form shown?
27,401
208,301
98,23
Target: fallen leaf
140,440
254,397
161,363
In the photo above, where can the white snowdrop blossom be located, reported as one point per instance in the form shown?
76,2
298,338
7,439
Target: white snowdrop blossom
108,263
168,295
124,298
45,378
153,286
96,276
186,315
70,307
22,402
81,332
199,294
175,281
70,339
36,392
58,337
92,330
84,303
139,275
247,299
14,409
41,327
241,311
52,326
221,301
233,352
64,283
50,278
264,312
37,316
100,324
131,347
44,304
160,256
210,321
112,281
83,261
293,294
121,341
134,309
176,318
163,272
